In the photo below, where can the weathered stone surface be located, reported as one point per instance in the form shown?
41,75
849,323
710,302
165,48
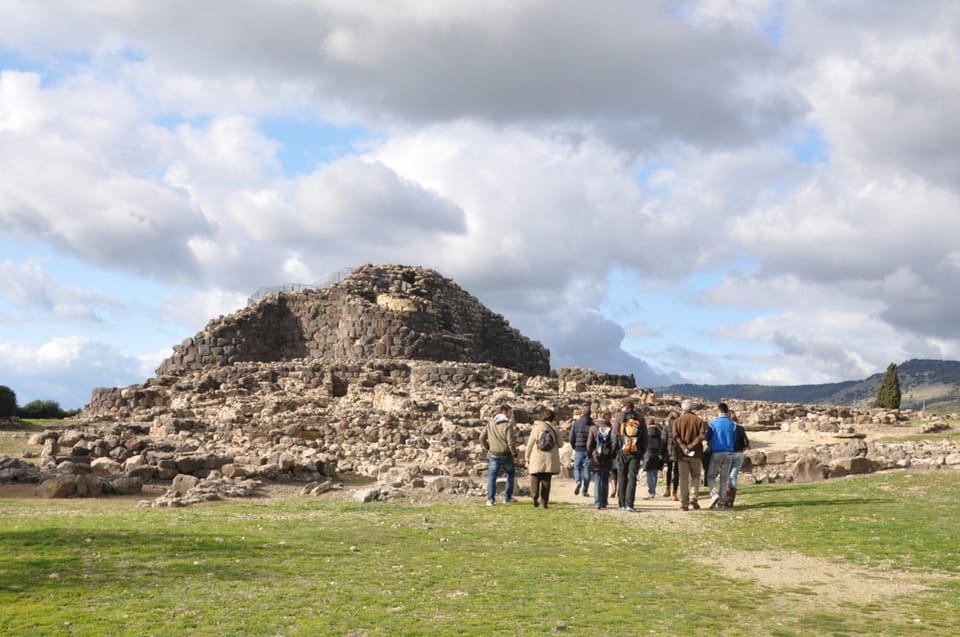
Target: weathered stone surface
367,495
847,466
809,469
58,487
106,466
183,483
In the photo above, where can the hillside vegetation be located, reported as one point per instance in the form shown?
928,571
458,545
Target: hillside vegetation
929,384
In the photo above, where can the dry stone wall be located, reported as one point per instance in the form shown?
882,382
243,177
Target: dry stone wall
414,422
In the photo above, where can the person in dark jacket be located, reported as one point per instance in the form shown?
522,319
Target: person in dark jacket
672,473
653,457
740,444
629,459
602,443
581,453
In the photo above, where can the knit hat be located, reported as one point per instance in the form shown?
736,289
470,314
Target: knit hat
499,418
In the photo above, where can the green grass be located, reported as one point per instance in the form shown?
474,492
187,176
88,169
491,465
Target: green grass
325,567
14,441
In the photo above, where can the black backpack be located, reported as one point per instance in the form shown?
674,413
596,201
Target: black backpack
546,441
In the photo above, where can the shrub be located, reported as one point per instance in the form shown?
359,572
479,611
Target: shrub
8,402
42,409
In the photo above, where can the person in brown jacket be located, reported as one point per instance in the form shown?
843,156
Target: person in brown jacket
689,431
499,438
543,464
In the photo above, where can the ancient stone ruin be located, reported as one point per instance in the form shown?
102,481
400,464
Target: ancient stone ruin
389,375
378,312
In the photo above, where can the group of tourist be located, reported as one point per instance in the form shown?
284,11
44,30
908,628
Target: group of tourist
610,451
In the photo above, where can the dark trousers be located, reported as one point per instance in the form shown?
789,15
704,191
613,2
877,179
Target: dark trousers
673,475
540,487
627,480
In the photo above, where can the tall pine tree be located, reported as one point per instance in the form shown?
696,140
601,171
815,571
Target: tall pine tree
888,396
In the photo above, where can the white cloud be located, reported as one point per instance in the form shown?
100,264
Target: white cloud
523,148
28,287
65,370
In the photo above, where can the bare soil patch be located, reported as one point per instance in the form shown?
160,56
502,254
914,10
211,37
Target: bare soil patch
815,582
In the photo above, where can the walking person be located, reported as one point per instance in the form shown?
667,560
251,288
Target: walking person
499,438
543,456
672,473
653,457
740,444
720,436
689,431
579,433
632,433
602,443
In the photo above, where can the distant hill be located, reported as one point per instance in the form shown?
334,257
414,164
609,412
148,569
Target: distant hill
923,383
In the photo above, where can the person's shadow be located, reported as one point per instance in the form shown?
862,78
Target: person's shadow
794,502
790,504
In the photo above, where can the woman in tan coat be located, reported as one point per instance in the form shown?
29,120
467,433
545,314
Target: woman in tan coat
543,463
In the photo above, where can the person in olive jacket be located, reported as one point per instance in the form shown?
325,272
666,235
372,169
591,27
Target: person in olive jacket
543,464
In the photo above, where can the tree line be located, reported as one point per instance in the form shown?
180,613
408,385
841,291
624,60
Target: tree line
33,409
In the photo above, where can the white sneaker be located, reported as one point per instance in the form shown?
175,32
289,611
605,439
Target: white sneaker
489,503
714,499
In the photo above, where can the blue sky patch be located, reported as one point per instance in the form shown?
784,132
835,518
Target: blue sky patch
307,145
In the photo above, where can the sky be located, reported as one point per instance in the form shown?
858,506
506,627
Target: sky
706,191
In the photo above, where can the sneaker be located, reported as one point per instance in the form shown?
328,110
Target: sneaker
510,501
576,489
489,503
714,501
622,508
631,509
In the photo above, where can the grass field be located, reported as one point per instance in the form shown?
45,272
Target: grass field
873,555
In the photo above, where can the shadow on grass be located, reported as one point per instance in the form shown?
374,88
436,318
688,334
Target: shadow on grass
792,504
42,559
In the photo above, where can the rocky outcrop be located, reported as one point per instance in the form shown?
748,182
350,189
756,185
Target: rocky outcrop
378,312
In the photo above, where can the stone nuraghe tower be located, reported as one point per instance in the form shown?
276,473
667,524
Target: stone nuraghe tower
378,312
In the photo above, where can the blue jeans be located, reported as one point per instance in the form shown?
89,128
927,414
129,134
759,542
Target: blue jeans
601,488
581,466
652,483
735,469
496,464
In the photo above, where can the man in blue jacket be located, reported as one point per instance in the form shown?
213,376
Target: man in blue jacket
720,436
